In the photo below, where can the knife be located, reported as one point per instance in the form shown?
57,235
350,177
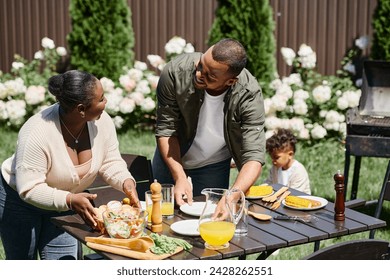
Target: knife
305,219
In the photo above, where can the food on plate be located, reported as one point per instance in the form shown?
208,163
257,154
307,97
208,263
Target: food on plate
300,202
261,190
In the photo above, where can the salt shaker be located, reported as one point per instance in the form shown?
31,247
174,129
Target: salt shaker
339,205
155,188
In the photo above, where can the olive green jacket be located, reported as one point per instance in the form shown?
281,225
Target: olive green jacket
179,104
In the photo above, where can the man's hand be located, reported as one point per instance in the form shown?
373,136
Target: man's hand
183,188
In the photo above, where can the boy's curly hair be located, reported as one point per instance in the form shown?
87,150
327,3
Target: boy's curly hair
282,140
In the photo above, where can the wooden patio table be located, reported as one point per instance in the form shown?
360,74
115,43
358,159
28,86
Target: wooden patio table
264,237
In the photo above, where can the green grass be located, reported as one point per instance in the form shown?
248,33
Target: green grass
322,162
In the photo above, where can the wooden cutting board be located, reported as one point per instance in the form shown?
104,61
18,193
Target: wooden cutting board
130,253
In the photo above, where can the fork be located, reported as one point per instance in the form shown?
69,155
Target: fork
274,197
279,201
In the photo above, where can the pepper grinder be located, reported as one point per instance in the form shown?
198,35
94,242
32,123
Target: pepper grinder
339,205
155,188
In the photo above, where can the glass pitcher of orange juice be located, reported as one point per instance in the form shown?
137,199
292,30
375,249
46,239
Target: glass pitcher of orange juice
217,222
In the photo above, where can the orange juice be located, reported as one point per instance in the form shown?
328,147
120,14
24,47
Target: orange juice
217,233
167,208
149,209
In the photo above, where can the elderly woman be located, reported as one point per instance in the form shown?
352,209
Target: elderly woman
59,153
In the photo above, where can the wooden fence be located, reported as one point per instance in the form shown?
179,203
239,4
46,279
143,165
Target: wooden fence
328,26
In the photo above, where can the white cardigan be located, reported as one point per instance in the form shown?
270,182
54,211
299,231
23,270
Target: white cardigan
41,170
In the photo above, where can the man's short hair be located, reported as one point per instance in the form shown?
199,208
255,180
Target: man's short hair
231,53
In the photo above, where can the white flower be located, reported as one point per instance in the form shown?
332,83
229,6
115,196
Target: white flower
284,90
47,43
268,108
140,65
279,102
35,95
318,132
333,116
137,97
175,46
305,50
362,42
293,79
39,55
3,111
189,48
135,74
304,134
113,100
342,103
127,82
16,110
296,124
143,87
275,84
300,107
107,84
269,133
17,65
118,121
307,57
3,91
272,123
288,55
301,94
153,80
148,104
127,105
15,87
321,94
156,61
61,51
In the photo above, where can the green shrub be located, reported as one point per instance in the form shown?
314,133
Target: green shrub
251,23
102,37
381,23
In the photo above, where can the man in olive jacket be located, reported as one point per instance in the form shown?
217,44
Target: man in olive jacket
210,110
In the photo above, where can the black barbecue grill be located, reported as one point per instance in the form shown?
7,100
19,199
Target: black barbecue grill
368,125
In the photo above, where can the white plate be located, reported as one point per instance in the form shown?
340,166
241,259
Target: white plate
186,227
260,196
323,202
194,210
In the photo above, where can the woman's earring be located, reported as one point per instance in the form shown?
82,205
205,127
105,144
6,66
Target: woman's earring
82,114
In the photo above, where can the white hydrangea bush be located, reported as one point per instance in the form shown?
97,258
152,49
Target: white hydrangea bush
313,106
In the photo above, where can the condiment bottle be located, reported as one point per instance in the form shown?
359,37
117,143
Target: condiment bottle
155,188
339,205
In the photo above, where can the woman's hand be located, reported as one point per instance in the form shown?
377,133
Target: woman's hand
131,192
81,204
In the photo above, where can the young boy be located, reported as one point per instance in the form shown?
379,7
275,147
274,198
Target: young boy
286,170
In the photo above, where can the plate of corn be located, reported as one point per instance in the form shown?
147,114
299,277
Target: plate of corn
304,202
256,192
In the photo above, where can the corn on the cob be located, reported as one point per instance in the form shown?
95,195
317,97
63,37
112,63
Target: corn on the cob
301,202
259,191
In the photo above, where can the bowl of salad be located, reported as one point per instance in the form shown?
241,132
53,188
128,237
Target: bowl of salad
125,223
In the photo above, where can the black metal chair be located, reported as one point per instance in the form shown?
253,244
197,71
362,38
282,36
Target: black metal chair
141,169
365,249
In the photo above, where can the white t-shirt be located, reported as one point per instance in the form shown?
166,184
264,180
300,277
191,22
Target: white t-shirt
209,145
